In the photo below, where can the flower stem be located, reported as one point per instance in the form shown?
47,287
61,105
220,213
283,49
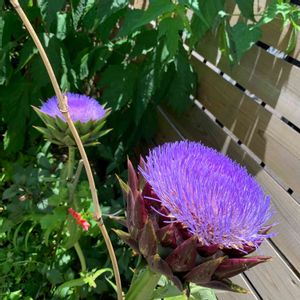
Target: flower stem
70,164
143,285
81,256
63,106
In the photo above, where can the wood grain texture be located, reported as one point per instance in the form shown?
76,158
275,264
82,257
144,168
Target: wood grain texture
275,275
273,80
196,125
273,141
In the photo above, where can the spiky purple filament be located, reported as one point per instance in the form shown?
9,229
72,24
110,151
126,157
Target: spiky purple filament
213,196
81,108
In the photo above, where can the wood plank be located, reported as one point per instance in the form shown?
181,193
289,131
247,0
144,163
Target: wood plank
195,125
273,141
273,80
275,274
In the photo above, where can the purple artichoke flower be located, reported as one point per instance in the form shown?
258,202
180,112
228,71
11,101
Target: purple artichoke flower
82,108
211,195
194,215
87,114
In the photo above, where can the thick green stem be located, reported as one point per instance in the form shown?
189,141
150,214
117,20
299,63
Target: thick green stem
143,285
81,256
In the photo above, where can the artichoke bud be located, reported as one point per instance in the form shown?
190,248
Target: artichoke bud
88,115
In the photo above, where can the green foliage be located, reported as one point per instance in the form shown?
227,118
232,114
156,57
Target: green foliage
131,59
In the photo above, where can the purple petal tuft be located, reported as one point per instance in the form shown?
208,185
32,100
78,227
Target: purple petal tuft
218,201
82,108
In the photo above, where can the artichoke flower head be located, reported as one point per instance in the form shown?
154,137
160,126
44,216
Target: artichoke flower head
88,115
195,215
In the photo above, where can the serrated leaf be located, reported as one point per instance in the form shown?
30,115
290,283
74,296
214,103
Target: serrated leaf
134,19
183,82
118,83
244,37
169,28
145,88
246,8
105,8
79,8
210,11
275,8
49,10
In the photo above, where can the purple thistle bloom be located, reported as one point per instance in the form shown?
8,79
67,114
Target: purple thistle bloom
211,195
81,108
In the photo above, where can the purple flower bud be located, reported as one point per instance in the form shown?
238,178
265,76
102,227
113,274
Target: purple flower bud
211,195
81,108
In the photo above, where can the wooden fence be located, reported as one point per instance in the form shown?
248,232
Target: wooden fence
251,112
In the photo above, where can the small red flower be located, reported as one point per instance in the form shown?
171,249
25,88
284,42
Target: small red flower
79,219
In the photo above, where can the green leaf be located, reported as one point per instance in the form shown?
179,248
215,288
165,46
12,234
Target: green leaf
292,41
246,8
134,19
53,220
169,28
108,7
145,88
183,82
2,23
61,31
87,279
202,293
119,84
10,192
49,10
244,37
275,8
210,11
79,9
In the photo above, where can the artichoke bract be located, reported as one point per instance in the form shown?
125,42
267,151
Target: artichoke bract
88,115
195,215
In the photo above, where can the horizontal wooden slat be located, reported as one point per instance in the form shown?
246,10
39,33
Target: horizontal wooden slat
270,139
195,125
274,81
275,275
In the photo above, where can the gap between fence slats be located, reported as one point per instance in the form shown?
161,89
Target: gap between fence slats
274,142
273,80
202,128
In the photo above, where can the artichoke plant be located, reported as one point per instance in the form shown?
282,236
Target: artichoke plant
87,114
194,215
